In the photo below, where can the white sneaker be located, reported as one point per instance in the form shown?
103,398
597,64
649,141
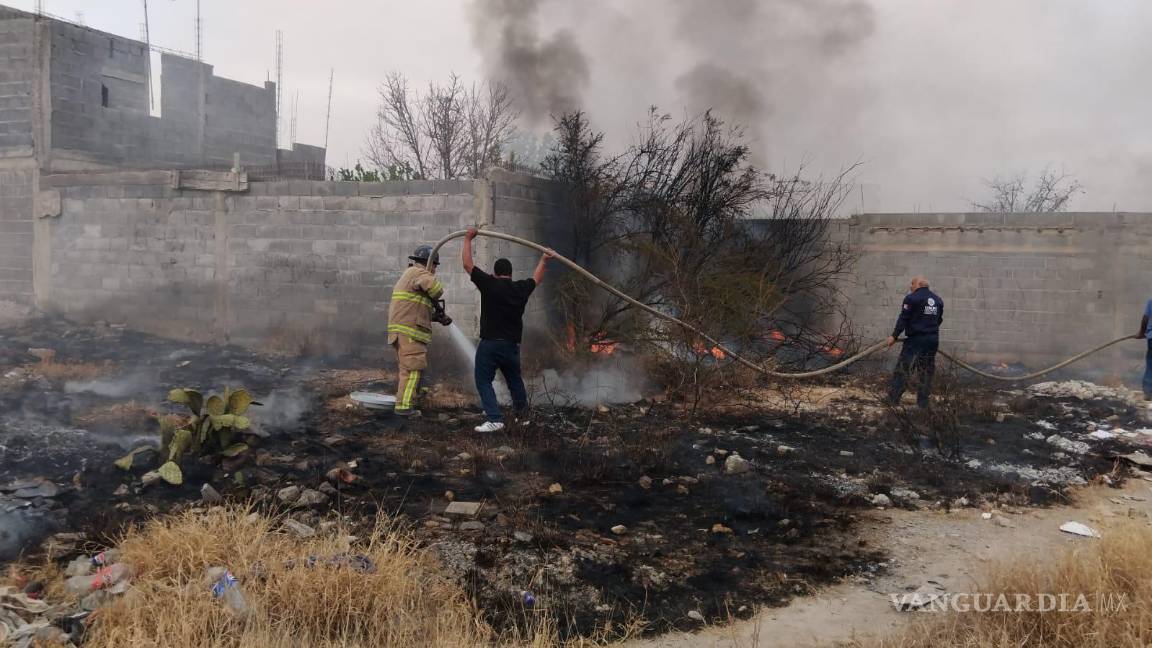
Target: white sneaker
489,426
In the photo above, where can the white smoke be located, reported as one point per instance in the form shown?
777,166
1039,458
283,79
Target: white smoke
605,381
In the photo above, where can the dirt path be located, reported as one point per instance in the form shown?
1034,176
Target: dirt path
952,549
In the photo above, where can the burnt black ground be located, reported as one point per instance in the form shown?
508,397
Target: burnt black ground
791,517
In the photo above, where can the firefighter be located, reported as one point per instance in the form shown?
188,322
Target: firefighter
920,318
410,316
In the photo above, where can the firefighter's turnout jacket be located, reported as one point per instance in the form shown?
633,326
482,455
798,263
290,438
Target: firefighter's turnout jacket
410,329
410,312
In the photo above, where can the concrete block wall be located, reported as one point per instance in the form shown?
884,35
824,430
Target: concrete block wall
204,119
239,117
1030,288
289,264
16,232
527,207
17,71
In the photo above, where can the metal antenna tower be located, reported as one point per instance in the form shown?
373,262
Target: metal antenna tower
199,34
279,80
328,119
39,7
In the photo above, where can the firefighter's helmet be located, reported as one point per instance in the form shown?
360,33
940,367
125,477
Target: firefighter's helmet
422,253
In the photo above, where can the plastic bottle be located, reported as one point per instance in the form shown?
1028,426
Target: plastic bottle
228,589
104,577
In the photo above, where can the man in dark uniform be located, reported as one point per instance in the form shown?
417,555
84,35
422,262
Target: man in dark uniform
920,318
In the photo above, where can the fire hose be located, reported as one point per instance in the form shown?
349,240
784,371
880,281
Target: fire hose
748,363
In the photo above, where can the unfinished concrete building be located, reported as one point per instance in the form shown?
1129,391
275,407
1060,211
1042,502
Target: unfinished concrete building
74,98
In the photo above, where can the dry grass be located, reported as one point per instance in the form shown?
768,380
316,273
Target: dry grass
1119,565
64,371
404,602
130,415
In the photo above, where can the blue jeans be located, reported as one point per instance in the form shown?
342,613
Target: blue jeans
918,361
505,356
1148,370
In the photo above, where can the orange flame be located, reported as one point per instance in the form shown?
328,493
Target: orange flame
777,335
605,348
835,352
718,353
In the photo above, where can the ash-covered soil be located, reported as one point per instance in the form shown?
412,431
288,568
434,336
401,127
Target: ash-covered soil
600,515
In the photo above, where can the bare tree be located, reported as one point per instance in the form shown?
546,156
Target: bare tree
450,131
684,223
1051,193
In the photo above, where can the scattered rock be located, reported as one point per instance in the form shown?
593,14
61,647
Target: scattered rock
721,529
149,478
463,456
903,495
681,489
735,465
619,529
847,453
472,525
645,482
122,490
312,498
986,516
328,489
40,488
469,509
288,494
1067,445
881,500
603,409
341,474
555,489
710,460
720,452
925,594
783,449
1079,529
299,529
696,616
1000,520
449,495
521,536
210,495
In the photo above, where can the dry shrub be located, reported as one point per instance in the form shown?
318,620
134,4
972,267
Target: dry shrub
1118,565
404,602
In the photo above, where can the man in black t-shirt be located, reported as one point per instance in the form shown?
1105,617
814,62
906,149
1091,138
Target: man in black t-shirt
502,303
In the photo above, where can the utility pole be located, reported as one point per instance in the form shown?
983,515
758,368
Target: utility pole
279,81
39,7
328,119
148,47
292,131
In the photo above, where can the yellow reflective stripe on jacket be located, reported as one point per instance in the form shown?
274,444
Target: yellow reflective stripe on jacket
415,334
412,297
436,290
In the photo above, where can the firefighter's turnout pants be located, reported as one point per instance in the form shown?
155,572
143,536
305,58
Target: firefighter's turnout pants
412,358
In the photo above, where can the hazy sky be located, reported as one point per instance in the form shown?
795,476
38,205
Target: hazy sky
931,95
